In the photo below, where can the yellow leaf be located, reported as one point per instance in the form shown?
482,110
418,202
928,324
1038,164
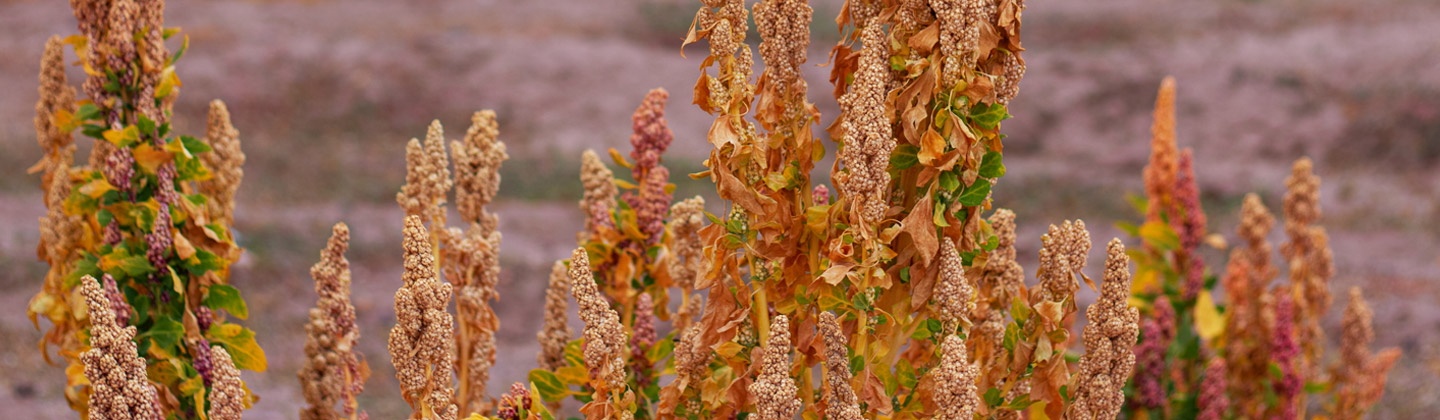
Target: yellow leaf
728,349
932,145
1208,320
183,246
151,158
619,159
1145,279
96,188
1037,411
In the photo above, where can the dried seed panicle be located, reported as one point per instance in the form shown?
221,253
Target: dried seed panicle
1063,253
652,134
557,332
652,203
841,402
55,96
227,395
427,177
224,160
955,294
477,168
868,141
1109,338
604,337
1160,172
422,339
774,390
1213,402
686,219
784,27
956,397
600,191
119,388
1255,224
332,374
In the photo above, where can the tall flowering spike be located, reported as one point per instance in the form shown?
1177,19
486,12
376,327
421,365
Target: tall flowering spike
1356,338
1190,225
641,338
1160,172
421,341
774,390
427,177
604,337
118,304
1109,337
784,27
61,234
955,295
1285,353
1308,256
224,160
955,395
556,332
477,168
1159,331
1009,85
841,402
652,203
600,192
690,357
868,141
1213,403
1063,253
118,385
332,374
686,219
652,134
959,36
56,97
1255,224
227,395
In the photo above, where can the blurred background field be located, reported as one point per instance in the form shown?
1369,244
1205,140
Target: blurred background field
325,94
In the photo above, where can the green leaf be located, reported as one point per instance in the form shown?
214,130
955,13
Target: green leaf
988,116
240,342
976,193
992,165
660,350
223,296
949,181
550,386
166,333
195,146
904,157
993,398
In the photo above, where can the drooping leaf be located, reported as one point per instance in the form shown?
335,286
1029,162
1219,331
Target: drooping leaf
240,342
226,297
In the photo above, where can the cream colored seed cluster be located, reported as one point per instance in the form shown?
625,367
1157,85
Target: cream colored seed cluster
224,160
556,332
868,141
690,356
427,177
841,402
1160,172
331,373
55,96
421,341
604,338
1309,255
955,394
227,392
1255,224
959,36
1109,340
600,192
955,295
1063,252
1009,85
60,233
784,27
686,219
477,168
119,389
1356,337
774,390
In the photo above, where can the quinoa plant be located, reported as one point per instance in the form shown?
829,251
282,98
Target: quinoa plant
149,215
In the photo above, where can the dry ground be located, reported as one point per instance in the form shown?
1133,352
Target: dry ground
326,92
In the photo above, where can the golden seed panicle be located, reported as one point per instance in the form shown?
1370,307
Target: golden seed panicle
421,342
868,140
224,160
1160,172
955,395
841,402
556,331
604,337
227,394
332,374
477,168
774,390
1109,338
119,388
